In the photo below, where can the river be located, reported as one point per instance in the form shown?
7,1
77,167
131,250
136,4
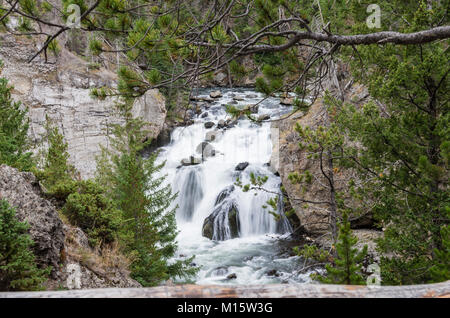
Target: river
254,257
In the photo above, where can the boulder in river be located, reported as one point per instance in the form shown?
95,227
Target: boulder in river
221,124
191,161
213,135
263,117
273,272
215,94
287,101
223,223
232,276
209,124
241,166
206,149
204,115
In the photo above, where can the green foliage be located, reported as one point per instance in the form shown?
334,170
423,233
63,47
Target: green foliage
88,207
14,125
56,172
148,231
312,252
18,269
440,271
403,158
347,268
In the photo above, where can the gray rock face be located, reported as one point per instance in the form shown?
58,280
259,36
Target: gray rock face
74,264
22,192
62,91
151,107
84,269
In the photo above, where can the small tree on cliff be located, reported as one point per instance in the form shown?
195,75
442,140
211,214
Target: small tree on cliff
57,171
18,269
347,268
149,228
14,125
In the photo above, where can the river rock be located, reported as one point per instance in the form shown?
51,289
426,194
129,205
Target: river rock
238,98
232,276
209,124
254,109
287,101
191,161
251,96
221,124
204,115
223,223
273,272
206,149
241,166
213,135
215,94
264,117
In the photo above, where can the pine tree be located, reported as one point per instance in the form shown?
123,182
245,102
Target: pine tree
403,141
57,173
18,269
149,228
14,125
347,269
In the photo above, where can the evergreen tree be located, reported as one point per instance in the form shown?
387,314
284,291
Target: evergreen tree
403,149
18,269
14,125
149,228
347,269
57,174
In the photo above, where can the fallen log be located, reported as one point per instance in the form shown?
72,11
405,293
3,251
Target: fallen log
440,290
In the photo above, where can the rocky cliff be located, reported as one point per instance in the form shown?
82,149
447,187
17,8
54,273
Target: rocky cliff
65,248
60,90
287,157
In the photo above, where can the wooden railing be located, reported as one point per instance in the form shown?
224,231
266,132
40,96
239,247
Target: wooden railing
252,291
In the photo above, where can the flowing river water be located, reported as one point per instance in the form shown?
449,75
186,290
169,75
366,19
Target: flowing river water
254,257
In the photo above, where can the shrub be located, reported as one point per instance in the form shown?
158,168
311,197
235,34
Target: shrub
89,208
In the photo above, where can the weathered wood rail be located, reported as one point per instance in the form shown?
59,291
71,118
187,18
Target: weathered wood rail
440,290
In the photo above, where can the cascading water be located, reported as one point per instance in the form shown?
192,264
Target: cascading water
202,165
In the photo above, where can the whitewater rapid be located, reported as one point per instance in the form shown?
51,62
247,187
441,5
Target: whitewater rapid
254,257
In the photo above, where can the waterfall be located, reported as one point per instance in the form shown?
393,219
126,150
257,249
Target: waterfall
226,227
190,193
